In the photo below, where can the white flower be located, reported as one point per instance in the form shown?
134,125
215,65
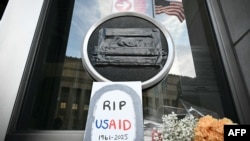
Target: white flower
178,130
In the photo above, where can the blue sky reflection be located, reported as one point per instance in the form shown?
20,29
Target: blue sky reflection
85,14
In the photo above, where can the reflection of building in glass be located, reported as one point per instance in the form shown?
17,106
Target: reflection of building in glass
74,95
75,90
163,94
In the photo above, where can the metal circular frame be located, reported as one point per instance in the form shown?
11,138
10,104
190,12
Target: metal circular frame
146,84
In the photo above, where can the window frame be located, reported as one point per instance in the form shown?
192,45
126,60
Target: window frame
14,54
28,67
239,92
233,74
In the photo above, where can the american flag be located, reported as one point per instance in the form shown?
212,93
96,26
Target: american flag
172,8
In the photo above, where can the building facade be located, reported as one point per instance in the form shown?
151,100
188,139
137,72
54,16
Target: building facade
45,92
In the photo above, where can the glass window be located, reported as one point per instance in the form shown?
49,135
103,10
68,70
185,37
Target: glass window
57,94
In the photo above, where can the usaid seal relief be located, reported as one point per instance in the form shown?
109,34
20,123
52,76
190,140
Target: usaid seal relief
115,112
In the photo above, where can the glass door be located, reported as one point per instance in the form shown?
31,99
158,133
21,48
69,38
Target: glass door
53,104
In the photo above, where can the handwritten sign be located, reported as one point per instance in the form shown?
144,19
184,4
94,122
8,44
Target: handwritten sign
115,112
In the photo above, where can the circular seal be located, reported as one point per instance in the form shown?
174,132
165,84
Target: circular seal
128,46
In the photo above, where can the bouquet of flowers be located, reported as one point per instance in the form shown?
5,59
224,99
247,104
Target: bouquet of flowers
194,126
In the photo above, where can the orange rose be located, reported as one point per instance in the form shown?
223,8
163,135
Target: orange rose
210,129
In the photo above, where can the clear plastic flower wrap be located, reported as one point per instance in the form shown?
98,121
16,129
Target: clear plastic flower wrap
190,123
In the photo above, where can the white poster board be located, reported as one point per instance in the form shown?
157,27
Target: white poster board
115,112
